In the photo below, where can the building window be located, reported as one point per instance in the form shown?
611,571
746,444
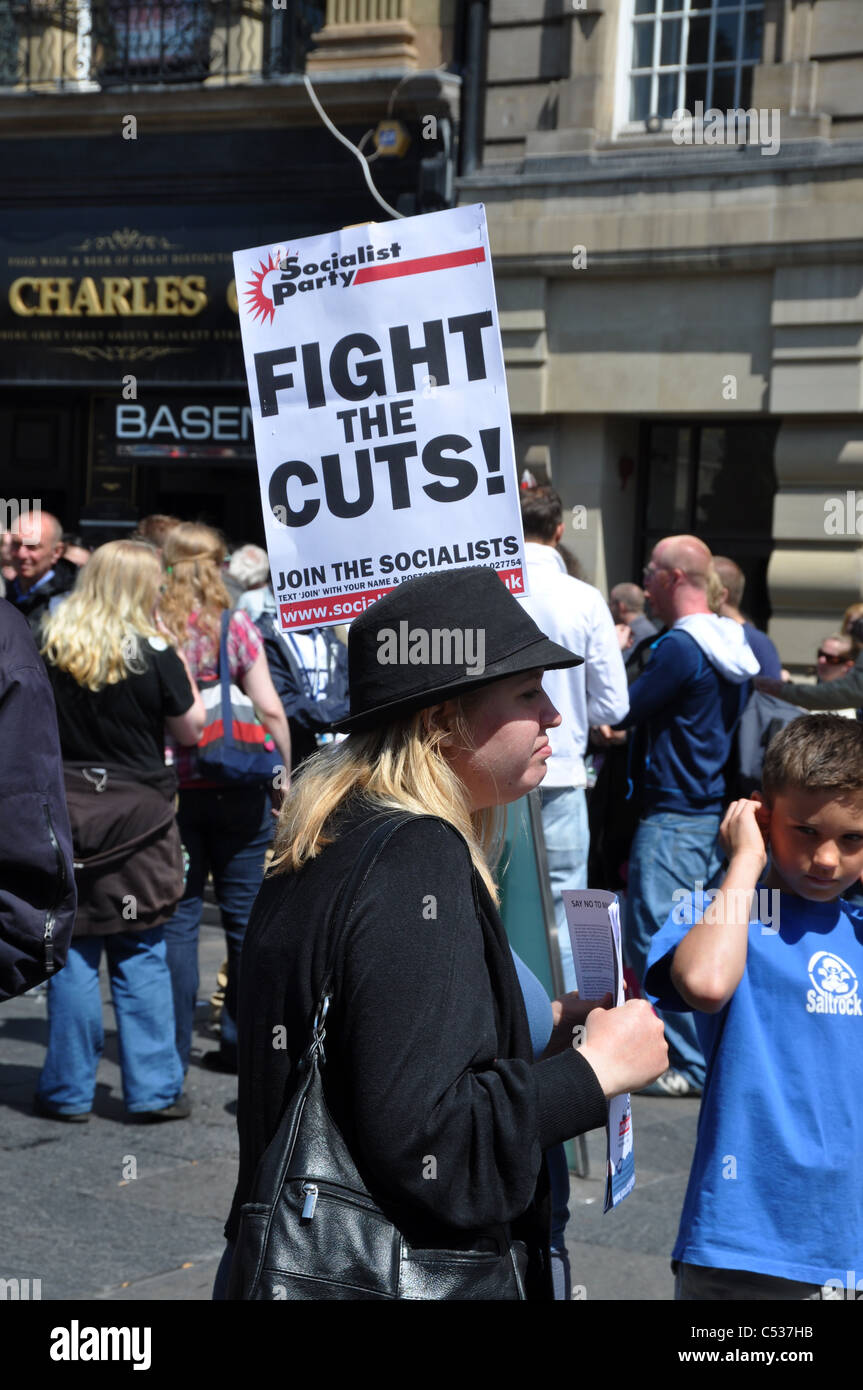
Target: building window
67,44
684,51
692,477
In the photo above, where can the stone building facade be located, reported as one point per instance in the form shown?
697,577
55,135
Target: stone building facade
682,299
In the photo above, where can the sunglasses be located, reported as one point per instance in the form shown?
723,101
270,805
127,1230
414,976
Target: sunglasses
832,660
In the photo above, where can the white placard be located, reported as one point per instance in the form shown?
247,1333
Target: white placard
380,411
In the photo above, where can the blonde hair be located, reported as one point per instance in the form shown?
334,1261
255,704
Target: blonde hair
715,589
94,634
193,557
400,767
852,613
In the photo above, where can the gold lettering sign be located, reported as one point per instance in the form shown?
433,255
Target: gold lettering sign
113,296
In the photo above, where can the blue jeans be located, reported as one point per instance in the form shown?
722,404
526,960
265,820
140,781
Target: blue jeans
228,833
141,990
567,841
670,851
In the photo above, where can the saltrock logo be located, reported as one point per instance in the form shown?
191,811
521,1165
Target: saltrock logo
282,276
836,986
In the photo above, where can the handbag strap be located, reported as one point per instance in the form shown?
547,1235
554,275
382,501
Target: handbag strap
225,681
368,853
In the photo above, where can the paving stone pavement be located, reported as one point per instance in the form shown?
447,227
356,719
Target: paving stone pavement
74,1217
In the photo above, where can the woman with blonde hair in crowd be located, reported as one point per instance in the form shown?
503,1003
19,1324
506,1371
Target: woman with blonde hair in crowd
226,827
118,687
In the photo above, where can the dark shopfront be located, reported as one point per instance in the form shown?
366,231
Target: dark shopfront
59,446
130,394
122,387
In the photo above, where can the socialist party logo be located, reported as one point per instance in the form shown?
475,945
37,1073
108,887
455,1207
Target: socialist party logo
283,275
836,986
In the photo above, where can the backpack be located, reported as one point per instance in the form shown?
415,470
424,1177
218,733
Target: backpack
762,718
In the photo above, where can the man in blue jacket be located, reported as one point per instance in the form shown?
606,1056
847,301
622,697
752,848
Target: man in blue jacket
685,706
37,887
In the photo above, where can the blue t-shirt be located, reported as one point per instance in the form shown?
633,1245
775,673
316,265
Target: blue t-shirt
776,1185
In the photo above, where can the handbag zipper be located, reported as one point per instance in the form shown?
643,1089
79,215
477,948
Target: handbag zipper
312,1190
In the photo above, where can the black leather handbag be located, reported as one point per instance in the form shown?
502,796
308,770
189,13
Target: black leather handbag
312,1229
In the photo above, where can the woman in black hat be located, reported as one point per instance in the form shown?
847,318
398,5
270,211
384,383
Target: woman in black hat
429,1070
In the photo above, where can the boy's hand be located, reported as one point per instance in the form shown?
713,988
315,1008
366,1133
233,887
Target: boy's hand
743,832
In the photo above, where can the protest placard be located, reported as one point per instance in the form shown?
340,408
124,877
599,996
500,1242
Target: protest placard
380,411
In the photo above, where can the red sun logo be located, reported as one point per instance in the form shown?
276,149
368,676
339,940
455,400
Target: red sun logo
259,303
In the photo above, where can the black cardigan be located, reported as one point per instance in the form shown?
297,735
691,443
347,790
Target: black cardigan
428,1048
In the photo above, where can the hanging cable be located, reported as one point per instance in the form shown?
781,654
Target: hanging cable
343,140
361,142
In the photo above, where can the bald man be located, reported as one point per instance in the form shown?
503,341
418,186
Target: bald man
683,709
42,576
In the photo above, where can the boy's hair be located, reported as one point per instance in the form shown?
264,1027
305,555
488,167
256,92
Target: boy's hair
819,752
541,513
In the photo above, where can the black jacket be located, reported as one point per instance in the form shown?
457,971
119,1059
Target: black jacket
307,715
37,889
34,604
128,855
428,1046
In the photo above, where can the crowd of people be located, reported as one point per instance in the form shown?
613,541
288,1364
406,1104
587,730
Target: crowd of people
676,763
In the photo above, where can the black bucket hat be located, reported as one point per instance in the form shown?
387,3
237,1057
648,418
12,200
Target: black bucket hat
436,637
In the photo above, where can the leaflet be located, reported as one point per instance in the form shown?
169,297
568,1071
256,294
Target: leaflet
593,918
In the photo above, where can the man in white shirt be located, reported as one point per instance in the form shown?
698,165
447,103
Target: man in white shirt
576,615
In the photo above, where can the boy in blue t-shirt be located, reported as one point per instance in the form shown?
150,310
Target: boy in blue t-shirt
774,1206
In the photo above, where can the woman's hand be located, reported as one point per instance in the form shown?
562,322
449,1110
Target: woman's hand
569,1015
625,1046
